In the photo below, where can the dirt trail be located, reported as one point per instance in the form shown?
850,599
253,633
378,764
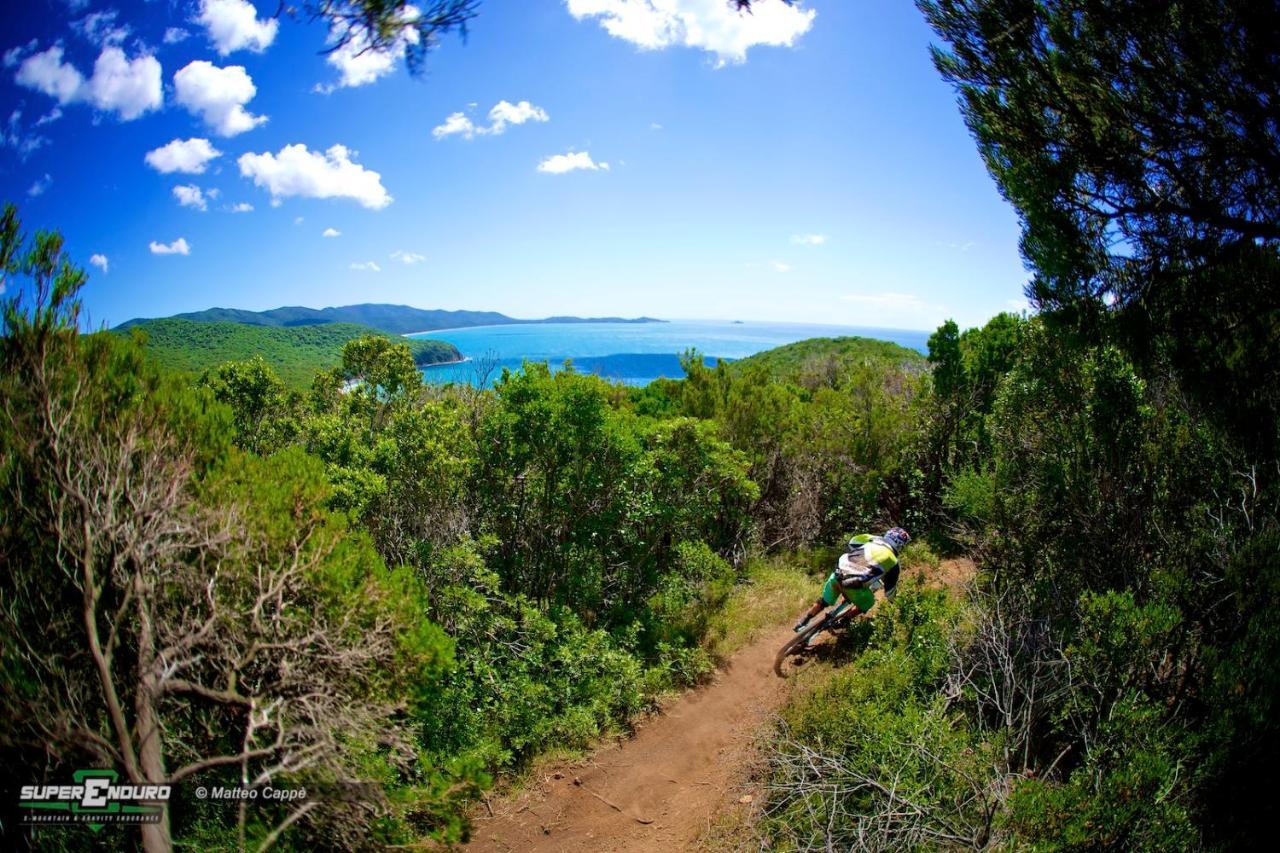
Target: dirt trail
662,788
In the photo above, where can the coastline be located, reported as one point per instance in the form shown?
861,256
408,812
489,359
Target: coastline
462,360
581,322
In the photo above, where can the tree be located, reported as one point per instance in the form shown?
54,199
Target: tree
944,357
391,25
379,374
1136,140
259,403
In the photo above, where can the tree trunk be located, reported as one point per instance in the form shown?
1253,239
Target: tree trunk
155,836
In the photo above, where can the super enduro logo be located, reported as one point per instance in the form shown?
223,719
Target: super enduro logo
94,799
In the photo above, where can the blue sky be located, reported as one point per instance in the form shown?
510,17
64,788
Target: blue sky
622,157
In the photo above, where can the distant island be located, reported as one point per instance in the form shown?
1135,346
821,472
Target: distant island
394,319
295,353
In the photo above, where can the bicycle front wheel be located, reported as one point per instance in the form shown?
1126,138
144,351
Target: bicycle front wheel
788,658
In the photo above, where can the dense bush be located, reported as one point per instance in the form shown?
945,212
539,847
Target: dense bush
872,758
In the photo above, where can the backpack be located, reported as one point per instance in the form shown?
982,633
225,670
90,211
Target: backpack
854,569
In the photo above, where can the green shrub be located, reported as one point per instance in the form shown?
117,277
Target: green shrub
871,755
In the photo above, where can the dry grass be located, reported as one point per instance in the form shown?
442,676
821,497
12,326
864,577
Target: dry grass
778,589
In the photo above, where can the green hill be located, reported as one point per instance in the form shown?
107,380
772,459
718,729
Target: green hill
815,355
396,319
296,353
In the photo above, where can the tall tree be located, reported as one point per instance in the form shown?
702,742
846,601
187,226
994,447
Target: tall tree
1134,138
1140,144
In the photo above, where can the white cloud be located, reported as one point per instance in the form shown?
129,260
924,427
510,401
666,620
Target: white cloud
295,171
712,25
558,164
174,35
14,135
100,261
655,126
505,113
177,247
14,55
358,64
297,220
367,266
46,72
233,25
241,207
409,258
779,266
218,96
502,114
190,195
101,27
456,123
40,186
809,239
182,155
331,232
49,117
127,87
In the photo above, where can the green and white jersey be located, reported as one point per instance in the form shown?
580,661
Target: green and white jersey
875,551
879,554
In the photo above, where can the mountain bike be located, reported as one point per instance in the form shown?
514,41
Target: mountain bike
787,660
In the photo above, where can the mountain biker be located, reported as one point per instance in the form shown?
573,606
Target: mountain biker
869,563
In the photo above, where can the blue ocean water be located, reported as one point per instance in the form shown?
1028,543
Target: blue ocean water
632,353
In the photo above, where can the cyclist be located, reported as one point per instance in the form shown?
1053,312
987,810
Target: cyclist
869,563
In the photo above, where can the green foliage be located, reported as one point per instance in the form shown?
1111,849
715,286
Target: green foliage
1242,687
259,402
971,498
824,451
1118,523
526,678
690,595
591,502
946,360
1126,801
821,361
1132,788
967,371
1218,330
871,754
164,582
295,353
1132,138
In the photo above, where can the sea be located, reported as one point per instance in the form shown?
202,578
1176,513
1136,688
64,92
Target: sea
630,353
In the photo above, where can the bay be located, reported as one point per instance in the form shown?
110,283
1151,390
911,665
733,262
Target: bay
631,353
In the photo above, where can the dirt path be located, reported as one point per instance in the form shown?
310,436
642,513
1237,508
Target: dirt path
662,788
